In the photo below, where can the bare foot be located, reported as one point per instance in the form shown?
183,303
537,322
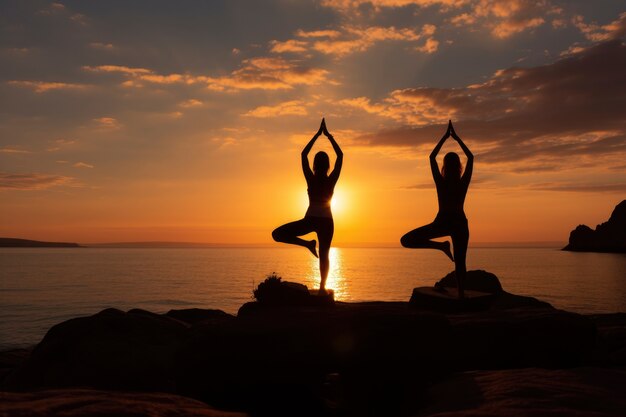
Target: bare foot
447,251
312,247
322,291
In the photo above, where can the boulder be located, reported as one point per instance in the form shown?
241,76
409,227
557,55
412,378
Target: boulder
109,350
477,280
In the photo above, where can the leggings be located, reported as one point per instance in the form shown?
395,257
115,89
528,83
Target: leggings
454,226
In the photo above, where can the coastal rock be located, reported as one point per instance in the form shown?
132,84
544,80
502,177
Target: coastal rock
275,296
194,316
85,402
607,237
109,350
477,280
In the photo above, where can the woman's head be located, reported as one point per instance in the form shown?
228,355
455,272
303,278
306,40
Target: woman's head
451,166
321,163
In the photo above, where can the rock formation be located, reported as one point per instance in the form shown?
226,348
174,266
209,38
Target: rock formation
607,237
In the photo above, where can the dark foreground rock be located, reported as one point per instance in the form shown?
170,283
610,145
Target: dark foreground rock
609,236
372,358
529,392
95,403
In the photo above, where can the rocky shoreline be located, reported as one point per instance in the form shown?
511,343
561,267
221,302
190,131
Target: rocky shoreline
515,356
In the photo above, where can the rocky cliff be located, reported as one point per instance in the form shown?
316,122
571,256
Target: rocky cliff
607,237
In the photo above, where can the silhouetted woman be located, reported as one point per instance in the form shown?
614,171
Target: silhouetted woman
450,220
318,217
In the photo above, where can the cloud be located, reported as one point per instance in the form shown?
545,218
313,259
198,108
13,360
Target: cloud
288,108
352,5
503,18
291,45
45,86
580,188
570,108
192,102
360,39
59,144
596,33
107,123
12,150
82,165
328,33
268,73
32,181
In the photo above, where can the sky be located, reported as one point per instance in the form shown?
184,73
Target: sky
184,120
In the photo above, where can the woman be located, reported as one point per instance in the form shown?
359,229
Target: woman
318,217
450,221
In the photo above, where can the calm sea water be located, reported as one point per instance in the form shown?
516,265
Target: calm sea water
42,287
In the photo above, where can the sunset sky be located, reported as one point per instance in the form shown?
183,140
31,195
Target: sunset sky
184,120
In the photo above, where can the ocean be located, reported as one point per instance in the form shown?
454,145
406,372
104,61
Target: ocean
40,287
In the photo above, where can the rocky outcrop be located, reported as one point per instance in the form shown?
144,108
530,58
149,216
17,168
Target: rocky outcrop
607,237
368,358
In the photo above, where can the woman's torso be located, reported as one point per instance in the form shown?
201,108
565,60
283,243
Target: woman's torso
451,197
320,190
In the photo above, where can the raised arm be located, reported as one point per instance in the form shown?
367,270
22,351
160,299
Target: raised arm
304,156
434,167
469,168
334,175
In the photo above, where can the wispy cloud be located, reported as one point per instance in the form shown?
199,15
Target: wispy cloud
45,86
32,181
82,165
13,150
288,108
267,73
351,39
107,123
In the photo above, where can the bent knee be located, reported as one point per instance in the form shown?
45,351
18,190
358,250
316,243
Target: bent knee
277,235
405,241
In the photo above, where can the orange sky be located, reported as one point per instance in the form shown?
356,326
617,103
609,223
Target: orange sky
186,124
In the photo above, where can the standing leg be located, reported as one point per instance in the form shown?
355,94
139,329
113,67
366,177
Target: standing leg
325,231
421,238
288,233
460,240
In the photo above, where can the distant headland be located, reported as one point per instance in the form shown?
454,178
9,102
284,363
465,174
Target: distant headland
10,242
609,236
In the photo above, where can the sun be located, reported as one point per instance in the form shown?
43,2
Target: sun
338,202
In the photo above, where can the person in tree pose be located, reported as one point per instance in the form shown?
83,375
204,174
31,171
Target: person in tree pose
318,217
452,184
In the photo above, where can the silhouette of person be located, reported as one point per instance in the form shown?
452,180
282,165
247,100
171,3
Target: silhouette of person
450,220
318,217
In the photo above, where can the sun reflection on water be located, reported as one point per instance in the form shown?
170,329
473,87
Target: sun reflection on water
336,279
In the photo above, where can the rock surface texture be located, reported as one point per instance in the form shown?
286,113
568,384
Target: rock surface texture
609,236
